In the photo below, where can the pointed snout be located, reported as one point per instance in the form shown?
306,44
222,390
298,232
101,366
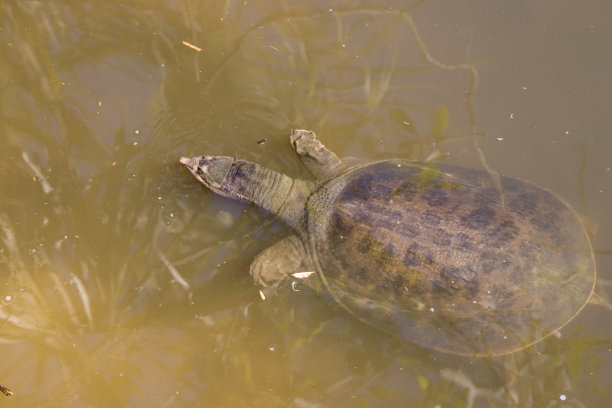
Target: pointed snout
190,162
209,170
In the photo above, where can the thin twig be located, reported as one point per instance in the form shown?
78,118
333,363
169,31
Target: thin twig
5,390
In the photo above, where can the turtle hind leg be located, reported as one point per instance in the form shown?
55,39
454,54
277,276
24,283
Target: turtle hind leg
284,259
320,161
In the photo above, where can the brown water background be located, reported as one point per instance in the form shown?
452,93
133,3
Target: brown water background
125,283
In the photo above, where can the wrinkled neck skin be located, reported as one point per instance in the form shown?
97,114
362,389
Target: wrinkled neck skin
243,180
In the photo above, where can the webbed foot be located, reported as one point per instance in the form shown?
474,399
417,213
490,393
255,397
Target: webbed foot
317,158
276,263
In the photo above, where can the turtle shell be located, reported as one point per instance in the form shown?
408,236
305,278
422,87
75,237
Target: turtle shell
450,258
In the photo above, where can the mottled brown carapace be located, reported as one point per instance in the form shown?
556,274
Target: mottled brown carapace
449,257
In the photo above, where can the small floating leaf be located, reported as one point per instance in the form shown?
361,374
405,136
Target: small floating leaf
401,118
441,119
423,383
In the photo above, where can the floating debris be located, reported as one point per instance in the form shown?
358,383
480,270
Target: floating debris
193,47
43,180
175,274
5,390
83,294
302,275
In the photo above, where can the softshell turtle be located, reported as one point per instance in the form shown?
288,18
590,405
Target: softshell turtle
450,258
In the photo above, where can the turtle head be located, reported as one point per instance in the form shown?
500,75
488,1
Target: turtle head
211,171
243,180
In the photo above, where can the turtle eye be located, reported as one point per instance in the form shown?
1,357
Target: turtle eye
202,165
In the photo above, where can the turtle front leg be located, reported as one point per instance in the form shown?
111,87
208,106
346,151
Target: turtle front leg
317,158
285,258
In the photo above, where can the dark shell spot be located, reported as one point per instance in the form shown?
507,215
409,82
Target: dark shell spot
391,249
338,230
525,203
451,275
399,284
407,189
504,233
545,222
459,276
416,256
365,244
464,242
436,197
442,237
387,219
409,231
383,255
511,184
430,218
487,266
376,250
509,228
441,286
455,278
489,255
411,259
472,286
360,188
490,262
479,218
383,192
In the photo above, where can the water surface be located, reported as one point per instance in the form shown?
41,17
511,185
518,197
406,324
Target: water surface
125,283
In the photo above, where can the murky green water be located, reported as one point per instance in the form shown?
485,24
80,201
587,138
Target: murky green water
124,283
